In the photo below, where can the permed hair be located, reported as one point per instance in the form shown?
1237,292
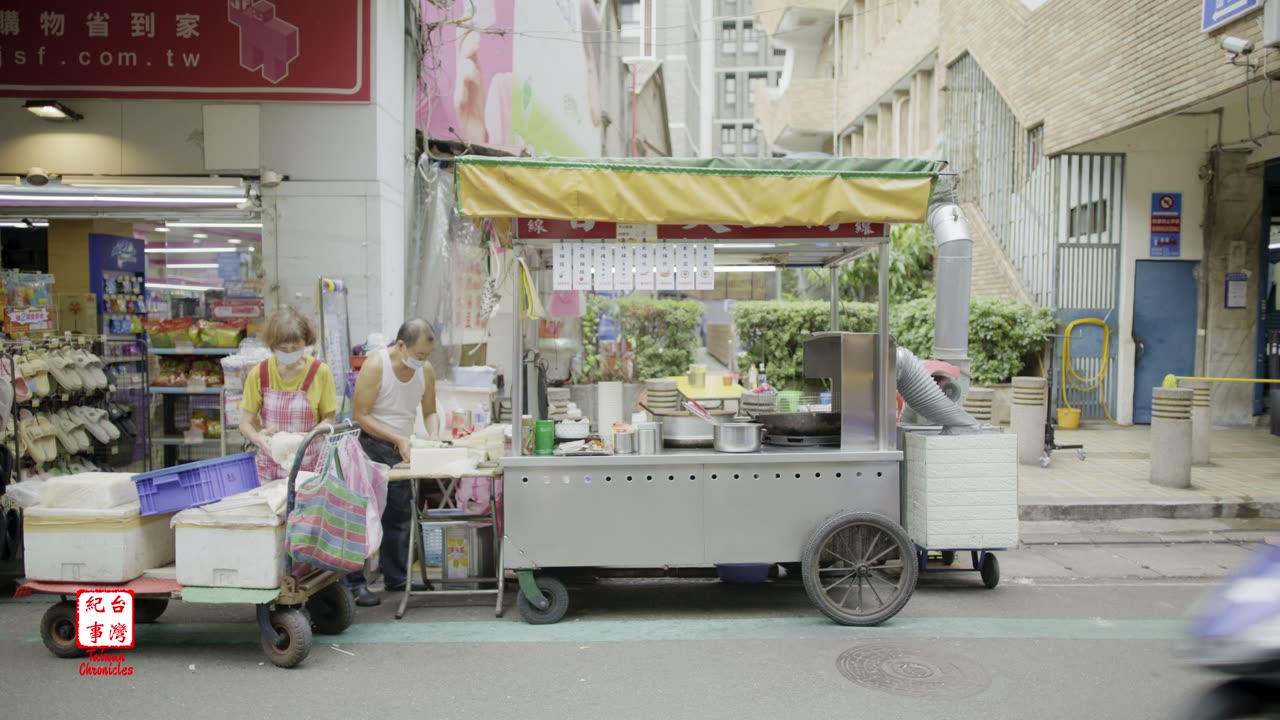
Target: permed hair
288,325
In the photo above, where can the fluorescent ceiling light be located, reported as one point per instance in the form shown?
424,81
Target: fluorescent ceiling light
199,236
174,251
158,183
191,266
24,224
214,224
745,268
162,229
52,110
192,288
253,249
1274,246
108,199
746,246
234,241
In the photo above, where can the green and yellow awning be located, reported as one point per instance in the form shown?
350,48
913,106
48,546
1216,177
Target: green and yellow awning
677,191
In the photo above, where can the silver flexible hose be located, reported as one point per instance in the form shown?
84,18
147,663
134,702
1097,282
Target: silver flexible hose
922,393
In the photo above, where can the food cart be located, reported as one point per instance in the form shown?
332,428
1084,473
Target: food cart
834,510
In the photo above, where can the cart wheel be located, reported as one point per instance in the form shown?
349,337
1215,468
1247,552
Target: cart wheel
555,592
58,630
990,570
333,609
295,638
948,557
1044,461
148,610
860,568
1082,454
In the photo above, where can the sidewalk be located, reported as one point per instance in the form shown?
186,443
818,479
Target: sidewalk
1113,483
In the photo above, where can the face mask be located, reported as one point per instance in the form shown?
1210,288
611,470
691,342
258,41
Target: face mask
414,363
289,358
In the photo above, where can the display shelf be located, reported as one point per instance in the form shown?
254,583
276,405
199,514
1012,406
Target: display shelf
193,351
180,441
119,360
184,391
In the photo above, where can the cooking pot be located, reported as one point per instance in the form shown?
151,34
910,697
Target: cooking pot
737,437
800,424
686,431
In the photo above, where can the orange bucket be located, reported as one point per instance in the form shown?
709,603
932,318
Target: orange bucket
1068,418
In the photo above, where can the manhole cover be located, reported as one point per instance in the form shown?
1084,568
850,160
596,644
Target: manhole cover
913,672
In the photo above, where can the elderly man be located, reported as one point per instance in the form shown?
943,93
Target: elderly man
393,384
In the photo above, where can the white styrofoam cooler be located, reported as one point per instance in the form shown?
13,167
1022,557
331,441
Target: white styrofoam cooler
962,490
230,544
113,544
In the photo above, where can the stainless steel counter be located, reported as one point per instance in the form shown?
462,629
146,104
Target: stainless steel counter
674,456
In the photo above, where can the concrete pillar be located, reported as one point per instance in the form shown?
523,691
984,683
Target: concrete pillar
1171,437
1201,419
980,403
1027,417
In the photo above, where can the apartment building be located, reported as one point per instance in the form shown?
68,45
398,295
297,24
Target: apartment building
713,53
1116,163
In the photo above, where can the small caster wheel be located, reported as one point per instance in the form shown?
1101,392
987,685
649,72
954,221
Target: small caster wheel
295,638
990,571
58,630
1044,461
332,610
1082,455
557,596
948,557
149,610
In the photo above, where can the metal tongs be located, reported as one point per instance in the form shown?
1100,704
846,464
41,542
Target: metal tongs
700,412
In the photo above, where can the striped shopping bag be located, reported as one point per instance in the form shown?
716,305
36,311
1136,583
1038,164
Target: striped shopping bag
326,528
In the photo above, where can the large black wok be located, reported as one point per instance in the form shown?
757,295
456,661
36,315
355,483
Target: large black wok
800,424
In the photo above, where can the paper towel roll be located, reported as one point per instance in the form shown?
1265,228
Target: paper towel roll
608,407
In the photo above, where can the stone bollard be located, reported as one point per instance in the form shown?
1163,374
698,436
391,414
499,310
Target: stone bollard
1201,420
1171,437
980,403
1027,417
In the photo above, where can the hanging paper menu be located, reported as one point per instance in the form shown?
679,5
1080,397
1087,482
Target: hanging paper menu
644,266
604,268
623,264
561,267
665,267
686,258
582,260
706,267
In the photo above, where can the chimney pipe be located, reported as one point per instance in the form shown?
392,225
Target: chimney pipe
954,280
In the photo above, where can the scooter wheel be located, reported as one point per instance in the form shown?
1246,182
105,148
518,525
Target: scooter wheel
1234,700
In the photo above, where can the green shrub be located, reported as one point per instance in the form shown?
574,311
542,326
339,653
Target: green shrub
1001,334
666,334
772,332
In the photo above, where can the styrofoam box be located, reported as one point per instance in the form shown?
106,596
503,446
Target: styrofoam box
962,490
95,545
90,490
236,548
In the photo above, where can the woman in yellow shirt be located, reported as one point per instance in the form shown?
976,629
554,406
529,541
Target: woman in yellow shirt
289,392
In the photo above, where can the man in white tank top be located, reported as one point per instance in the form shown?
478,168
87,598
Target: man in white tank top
391,387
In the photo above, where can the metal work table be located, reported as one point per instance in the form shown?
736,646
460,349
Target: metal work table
684,456
448,486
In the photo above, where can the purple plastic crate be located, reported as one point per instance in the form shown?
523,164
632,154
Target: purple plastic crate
195,484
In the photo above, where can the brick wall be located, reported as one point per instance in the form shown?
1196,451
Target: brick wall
903,44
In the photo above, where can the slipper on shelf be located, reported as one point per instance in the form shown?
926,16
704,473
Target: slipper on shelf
89,420
36,370
49,438
63,431
11,373
68,379
33,435
75,427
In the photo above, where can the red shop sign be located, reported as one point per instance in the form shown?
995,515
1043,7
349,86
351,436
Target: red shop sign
276,50
28,319
531,229
237,309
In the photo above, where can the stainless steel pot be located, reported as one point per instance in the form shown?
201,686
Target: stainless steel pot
737,437
624,442
649,436
686,431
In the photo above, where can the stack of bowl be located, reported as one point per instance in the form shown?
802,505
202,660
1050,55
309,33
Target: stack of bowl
662,395
558,403
754,403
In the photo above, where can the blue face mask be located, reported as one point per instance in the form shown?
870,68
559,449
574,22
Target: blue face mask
414,363
289,358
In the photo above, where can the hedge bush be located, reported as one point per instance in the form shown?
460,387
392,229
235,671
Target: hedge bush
665,334
772,332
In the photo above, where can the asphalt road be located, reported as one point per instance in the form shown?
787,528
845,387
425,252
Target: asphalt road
1072,632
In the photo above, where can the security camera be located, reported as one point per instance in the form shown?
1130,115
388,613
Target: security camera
271,178
37,177
1237,46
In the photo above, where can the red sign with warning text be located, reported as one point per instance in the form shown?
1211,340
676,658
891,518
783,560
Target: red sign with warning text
276,50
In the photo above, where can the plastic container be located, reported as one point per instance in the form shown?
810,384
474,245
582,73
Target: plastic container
195,484
743,573
1068,418
474,377
94,545
94,490
239,546
433,544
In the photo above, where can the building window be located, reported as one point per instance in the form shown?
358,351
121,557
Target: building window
728,7
749,147
1087,219
729,39
1035,148
750,39
730,91
629,12
753,80
780,52
728,140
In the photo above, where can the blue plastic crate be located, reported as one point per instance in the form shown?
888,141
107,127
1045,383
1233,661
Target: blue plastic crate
195,484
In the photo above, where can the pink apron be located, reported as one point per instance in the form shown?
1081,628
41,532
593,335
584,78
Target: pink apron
287,411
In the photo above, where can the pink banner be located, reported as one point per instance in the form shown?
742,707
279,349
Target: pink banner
465,93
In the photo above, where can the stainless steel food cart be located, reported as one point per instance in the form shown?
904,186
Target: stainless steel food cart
836,511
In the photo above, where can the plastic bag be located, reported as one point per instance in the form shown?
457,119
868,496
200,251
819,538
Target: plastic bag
327,528
27,493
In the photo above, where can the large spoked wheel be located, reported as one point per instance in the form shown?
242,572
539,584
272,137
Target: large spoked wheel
149,610
860,568
333,609
58,630
557,597
295,638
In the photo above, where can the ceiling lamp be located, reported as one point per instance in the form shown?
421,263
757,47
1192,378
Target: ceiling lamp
52,110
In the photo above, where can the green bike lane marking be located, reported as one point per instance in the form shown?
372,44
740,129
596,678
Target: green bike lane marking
698,630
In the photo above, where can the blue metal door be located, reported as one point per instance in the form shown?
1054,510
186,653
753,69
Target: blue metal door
1164,327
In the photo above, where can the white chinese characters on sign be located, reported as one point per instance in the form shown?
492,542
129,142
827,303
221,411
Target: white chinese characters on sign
97,23
104,619
142,25
188,26
53,24
9,22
